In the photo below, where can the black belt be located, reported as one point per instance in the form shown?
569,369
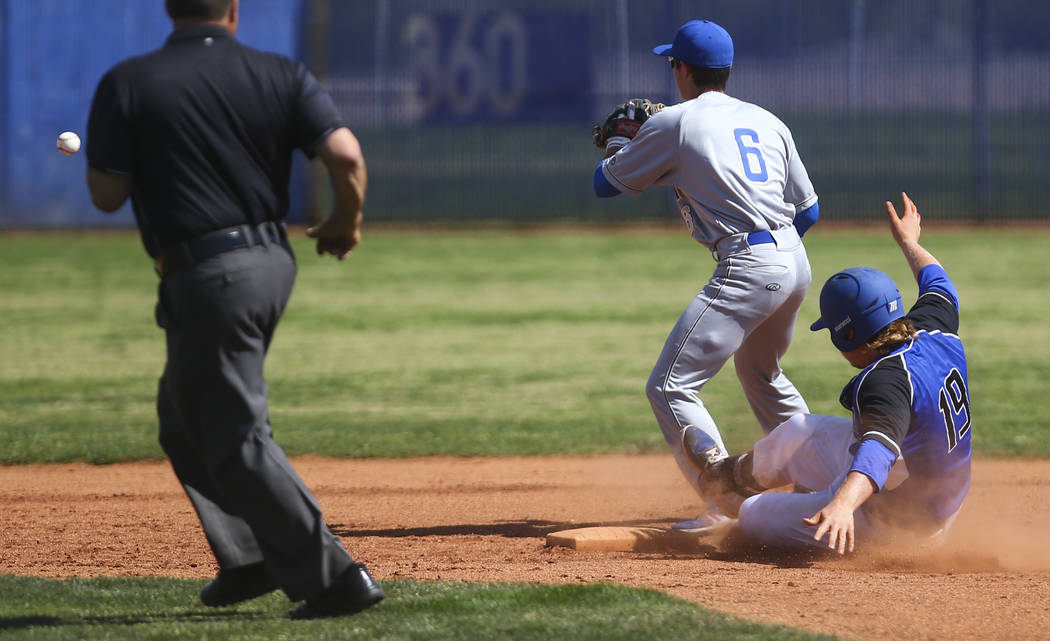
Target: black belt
219,242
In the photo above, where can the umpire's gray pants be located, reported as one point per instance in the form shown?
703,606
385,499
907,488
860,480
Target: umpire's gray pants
219,316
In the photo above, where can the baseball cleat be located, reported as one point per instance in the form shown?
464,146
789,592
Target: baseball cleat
698,448
707,524
717,484
729,481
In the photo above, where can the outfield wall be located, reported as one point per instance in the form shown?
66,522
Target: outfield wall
52,53
474,110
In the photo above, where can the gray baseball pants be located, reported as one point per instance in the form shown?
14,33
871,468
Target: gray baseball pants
219,316
746,311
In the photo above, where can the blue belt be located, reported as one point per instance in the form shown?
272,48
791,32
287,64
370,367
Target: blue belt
759,237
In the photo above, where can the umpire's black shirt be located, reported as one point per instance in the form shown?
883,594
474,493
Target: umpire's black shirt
205,127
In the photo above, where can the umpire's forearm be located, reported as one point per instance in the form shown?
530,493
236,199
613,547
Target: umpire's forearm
348,187
341,153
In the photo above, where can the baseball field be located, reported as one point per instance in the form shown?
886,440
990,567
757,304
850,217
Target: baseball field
454,396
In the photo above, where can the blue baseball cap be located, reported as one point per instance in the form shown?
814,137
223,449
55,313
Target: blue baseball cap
701,43
856,304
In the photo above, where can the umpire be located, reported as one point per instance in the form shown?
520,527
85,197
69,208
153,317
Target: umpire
200,135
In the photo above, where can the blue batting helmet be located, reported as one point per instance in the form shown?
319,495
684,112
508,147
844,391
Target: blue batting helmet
856,304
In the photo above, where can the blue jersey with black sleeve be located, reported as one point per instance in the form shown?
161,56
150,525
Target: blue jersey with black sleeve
914,403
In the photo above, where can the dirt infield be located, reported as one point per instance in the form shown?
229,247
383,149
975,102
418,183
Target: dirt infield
485,520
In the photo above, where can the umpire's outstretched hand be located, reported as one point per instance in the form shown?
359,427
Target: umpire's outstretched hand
336,237
340,232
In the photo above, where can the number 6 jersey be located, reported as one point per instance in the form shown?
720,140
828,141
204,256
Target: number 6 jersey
733,165
915,403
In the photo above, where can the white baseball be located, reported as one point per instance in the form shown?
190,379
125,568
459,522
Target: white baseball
68,143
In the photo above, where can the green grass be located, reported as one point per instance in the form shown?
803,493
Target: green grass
476,343
487,343
77,609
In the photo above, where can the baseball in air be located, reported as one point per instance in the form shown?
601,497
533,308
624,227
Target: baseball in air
68,143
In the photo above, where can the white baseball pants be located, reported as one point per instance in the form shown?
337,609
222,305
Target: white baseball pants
811,450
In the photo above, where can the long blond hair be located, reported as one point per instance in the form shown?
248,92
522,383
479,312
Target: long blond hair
891,336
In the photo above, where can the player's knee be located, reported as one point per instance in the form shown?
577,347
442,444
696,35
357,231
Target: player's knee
797,425
660,390
749,520
748,510
757,519
656,387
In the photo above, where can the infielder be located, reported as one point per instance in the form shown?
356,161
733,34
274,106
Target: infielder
901,466
745,195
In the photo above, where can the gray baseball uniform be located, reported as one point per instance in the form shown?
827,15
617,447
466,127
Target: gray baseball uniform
739,183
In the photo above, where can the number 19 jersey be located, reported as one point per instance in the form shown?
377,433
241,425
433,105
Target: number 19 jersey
915,401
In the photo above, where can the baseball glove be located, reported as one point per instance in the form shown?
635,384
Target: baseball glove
623,123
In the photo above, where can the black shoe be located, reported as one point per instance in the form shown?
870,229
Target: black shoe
728,482
352,592
716,484
234,585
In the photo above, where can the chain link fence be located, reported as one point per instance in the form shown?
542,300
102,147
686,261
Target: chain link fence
476,111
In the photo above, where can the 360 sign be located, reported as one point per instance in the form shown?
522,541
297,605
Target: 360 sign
500,65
